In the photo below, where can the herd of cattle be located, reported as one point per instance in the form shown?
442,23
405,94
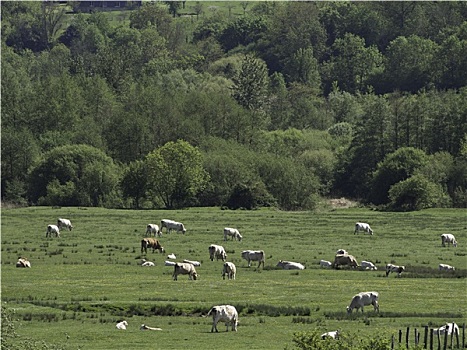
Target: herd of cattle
227,313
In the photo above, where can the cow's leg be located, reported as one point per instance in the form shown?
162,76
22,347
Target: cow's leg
214,327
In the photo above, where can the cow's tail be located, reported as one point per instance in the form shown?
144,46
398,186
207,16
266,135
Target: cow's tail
209,312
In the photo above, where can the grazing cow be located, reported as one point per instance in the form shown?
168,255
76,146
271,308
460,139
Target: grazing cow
449,239
230,270
451,328
147,328
122,325
254,255
368,265
151,243
23,262
232,232
363,299
331,335
342,252
192,262
394,268
145,262
170,263
217,251
153,229
52,230
344,259
446,267
64,223
224,313
325,263
185,269
362,226
171,225
290,265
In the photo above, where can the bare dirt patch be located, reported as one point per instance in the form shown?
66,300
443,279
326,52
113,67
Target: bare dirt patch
342,203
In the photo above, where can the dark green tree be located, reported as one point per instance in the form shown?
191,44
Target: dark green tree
74,175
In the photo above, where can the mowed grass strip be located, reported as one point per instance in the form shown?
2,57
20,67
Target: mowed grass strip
88,279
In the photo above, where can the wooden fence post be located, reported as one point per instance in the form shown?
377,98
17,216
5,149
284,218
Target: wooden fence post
416,336
407,337
425,338
446,335
392,342
439,342
463,336
432,333
400,337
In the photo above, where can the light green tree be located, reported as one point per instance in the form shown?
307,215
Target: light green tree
175,174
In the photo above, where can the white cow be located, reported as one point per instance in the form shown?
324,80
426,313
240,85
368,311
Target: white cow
23,262
52,230
64,223
230,270
254,255
290,265
122,325
224,313
325,263
171,225
218,252
153,229
368,265
147,263
394,268
363,299
332,335
446,267
185,269
232,232
342,252
192,262
172,256
170,263
143,327
449,239
451,328
363,226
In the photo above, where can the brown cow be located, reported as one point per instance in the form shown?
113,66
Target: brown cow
151,243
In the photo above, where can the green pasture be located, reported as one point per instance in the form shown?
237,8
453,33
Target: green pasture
81,284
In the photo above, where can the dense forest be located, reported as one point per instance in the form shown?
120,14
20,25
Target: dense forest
282,105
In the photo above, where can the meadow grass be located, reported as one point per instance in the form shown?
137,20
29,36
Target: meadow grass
81,284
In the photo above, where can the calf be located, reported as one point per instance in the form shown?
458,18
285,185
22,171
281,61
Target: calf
446,267
144,262
331,335
23,262
325,263
122,325
151,243
449,328
153,229
224,313
52,230
363,226
230,270
185,269
394,268
368,265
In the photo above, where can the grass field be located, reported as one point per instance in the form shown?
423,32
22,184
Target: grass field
81,284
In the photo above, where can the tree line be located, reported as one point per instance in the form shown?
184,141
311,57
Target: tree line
281,106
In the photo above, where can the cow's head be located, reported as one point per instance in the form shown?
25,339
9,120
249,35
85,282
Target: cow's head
195,276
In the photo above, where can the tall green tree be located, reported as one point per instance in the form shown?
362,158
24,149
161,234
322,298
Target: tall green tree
175,174
74,175
302,67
